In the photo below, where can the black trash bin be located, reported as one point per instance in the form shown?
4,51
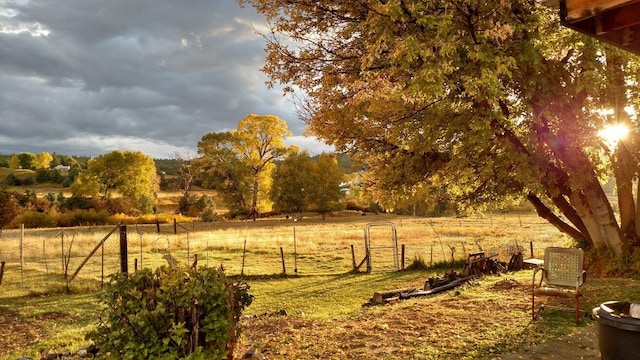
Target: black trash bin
618,333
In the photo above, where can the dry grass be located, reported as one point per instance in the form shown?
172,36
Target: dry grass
311,246
325,318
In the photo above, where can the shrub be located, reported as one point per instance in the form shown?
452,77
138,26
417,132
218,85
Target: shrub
171,313
353,204
374,207
67,181
120,205
12,180
9,207
205,201
186,203
27,181
76,202
51,198
34,219
83,217
209,214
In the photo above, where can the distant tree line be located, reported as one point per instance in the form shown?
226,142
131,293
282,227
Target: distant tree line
45,168
119,182
252,170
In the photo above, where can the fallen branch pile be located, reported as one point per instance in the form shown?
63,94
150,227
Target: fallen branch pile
477,264
450,281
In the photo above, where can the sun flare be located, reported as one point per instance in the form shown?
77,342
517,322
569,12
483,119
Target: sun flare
612,134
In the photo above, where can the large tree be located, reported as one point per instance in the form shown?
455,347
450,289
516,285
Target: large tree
494,98
27,160
239,163
43,160
292,183
301,182
325,191
130,174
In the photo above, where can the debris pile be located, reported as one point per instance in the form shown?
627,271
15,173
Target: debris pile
431,286
477,264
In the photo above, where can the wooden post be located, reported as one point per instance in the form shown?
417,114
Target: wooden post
531,247
62,248
157,225
431,261
175,226
44,256
135,264
21,253
244,255
1,271
402,258
353,257
295,253
124,259
284,269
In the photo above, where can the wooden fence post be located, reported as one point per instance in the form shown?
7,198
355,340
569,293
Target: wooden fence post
531,247
1,271
124,258
402,266
284,269
21,253
353,258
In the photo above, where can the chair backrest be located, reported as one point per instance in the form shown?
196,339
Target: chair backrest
563,266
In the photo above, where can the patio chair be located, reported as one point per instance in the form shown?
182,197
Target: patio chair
562,274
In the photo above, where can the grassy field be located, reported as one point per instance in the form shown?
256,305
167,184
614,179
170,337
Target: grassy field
20,173
323,301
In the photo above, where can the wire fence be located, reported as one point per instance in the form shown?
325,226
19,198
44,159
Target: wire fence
37,261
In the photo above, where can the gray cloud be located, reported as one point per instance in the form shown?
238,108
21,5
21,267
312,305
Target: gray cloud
84,77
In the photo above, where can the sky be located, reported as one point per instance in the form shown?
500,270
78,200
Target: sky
86,77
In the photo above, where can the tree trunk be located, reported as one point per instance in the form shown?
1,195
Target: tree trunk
578,202
623,171
254,199
623,162
546,213
586,196
638,207
572,215
595,209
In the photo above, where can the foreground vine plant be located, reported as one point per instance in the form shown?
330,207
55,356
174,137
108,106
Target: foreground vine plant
171,313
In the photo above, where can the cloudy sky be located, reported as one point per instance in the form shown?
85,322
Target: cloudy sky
85,77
